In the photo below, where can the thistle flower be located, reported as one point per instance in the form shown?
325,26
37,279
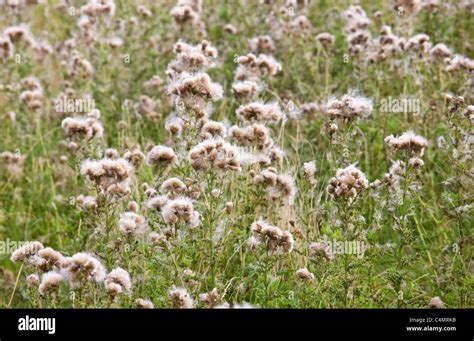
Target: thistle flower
408,141
348,183
211,299
180,298
304,274
310,108
32,280
416,162
275,239
229,206
245,89
117,281
86,202
419,42
157,202
13,163
154,83
230,29
188,11
146,107
214,153
82,267
441,51
144,11
131,223
393,177
321,248
173,185
212,129
195,89
33,96
325,39
193,58
155,238
161,156
277,186
111,153
355,18
300,25
276,155
19,33
253,68
174,125
7,49
458,63
309,171
256,135
51,257
94,8
356,22
26,251
349,107
83,128
135,157
50,282
262,44
259,113
180,208
252,243
110,176
144,304
133,206
436,303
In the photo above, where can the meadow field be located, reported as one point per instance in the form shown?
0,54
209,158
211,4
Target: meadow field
236,154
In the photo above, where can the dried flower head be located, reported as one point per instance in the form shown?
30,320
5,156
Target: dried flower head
161,156
32,280
408,141
211,299
349,107
180,298
26,251
304,274
13,163
131,223
180,208
50,282
257,112
436,303
321,248
275,239
309,171
135,157
82,267
245,89
277,186
255,134
144,304
110,176
348,183
214,153
262,44
117,281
